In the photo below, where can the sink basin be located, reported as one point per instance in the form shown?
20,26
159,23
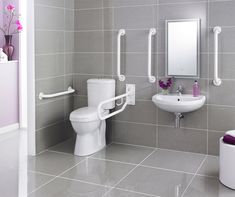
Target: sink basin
178,104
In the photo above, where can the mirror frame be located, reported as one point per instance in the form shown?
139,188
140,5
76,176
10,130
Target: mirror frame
198,48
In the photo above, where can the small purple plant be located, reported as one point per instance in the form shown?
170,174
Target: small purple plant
165,85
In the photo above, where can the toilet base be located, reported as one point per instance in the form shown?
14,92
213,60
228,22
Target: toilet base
90,143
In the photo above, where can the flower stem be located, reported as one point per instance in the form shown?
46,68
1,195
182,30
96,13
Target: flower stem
10,21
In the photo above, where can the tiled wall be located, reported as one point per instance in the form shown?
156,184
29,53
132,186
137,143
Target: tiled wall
88,49
53,39
96,26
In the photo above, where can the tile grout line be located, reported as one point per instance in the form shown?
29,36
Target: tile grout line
130,172
59,175
194,176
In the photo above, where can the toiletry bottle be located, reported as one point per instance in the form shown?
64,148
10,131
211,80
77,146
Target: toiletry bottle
196,89
3,56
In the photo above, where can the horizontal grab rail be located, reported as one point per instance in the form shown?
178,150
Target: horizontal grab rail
217,81
46,96
130,100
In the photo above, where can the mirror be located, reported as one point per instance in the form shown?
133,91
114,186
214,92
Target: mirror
183,48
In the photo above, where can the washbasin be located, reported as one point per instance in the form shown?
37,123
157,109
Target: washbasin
178,103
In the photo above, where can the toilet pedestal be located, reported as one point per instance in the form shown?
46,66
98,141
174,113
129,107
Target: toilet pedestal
91,142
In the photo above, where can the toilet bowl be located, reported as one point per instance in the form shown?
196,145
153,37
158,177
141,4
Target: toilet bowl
85,121
90,130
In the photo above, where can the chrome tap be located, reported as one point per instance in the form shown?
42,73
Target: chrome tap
179,90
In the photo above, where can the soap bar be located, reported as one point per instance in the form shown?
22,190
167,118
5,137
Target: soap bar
228,139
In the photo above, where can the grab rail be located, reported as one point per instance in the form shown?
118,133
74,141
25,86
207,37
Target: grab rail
45,96
217,81
130,100
121,33
152,32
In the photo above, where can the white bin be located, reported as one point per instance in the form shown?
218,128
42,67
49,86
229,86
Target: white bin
227,164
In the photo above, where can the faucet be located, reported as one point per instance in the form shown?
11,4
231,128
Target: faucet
179,90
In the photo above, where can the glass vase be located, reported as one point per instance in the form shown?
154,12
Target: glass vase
8,48
165,91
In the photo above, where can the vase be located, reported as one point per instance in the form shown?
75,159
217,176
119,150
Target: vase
8,48
165,91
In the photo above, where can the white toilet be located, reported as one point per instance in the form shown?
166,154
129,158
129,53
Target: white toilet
85,121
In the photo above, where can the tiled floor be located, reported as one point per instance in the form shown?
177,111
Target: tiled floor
124,171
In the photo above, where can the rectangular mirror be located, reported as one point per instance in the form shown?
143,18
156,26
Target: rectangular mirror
183,48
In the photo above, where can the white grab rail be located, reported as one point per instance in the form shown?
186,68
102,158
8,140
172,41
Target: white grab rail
152,32
121,33
130,100
217,81
45,96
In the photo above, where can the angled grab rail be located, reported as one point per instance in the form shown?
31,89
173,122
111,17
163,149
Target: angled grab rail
130,100
121,33
152,32
217,81
46,96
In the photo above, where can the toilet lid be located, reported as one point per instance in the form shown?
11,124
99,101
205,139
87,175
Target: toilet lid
85,114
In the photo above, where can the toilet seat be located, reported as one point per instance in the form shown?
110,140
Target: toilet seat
86,114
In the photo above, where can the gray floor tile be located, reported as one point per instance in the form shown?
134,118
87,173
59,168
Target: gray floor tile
210,167
124,153
122,193
52,163
174,160
208,187
36,180
99,171
67,188
156,182
66,146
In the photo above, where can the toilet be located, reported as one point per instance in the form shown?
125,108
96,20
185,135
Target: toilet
89,128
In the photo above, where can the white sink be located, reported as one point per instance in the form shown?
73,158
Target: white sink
178,104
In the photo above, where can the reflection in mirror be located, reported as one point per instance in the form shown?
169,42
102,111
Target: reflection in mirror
182,48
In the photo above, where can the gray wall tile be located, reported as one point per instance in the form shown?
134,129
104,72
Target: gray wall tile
86,4
118,3
55,3
130,133
89,41
222,95
69,20
142,112
227,68
88,19
53,135
51,19
182,139
123,19
213,142
221,118
88,63
221,13
49,113
49,42
49,65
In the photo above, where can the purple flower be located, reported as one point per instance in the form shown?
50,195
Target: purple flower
165,85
